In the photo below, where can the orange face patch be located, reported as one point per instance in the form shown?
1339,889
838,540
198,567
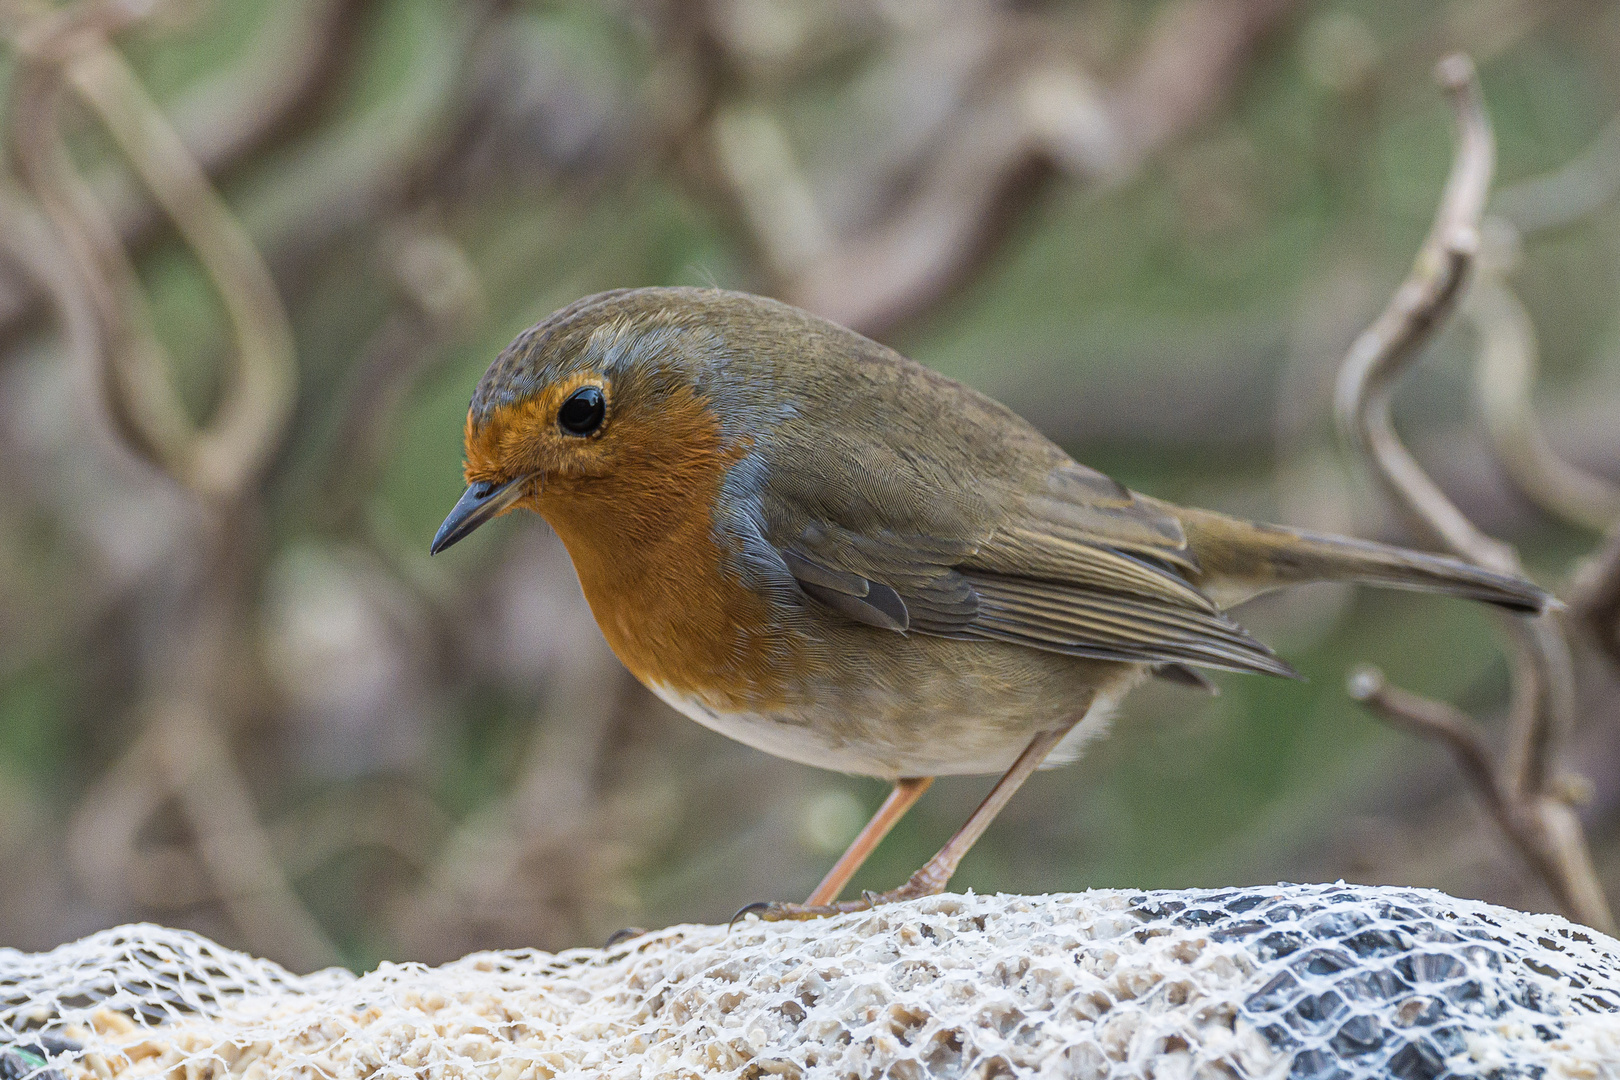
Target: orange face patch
634,505
523,437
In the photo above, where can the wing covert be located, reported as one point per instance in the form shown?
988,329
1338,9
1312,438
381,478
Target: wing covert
1080,566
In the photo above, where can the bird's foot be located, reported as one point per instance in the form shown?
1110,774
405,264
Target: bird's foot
621,935
922,883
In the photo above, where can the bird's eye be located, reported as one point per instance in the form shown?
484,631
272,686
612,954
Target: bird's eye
582,413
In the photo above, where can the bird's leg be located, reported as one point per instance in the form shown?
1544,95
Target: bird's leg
907,790
936,872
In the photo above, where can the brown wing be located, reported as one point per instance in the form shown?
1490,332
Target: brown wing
1081,568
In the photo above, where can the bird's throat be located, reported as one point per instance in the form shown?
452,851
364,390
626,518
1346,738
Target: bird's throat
658,574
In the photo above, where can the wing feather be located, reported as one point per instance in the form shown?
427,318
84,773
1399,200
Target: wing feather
1087,622
1080,566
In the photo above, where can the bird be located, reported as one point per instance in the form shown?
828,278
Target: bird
811,544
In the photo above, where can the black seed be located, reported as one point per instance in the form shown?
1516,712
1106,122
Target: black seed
1279,943
1322,962
1429,967
1275,994
1376,943
1316,1065
1358,1035
1416,1061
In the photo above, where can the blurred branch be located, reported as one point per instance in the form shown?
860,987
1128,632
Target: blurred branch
1552,844
1382,353
1504,379
219,460
549,845
1447,725
226,455
181,751
1520,792
180,755
441,301
1594,596
1040,113
1506,372
31,246
224,118
284,70
367,168
108,855
144,403
1568,194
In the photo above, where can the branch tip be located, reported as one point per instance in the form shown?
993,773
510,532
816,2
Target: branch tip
1365,683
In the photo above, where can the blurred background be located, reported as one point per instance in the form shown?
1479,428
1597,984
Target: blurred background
236,695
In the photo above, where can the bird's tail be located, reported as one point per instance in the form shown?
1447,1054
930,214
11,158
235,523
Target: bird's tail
1239,559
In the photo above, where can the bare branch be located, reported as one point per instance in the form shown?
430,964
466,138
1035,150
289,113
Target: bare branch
1519,791
1568,194
1503,380
247,425
222,119
1030,116
1594,596
144,403
1382,353
1435,720
1546,832
182,752
1543,712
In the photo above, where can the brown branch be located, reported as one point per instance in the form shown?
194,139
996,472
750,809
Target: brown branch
1546,834
1519,791
144,404
227,454
182,752
1443,723
1503,380
1594,595
1383,352
1024,112
221,120
219,460
1569,193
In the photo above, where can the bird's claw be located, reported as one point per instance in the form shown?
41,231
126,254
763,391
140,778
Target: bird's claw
758,907
782,911
622,934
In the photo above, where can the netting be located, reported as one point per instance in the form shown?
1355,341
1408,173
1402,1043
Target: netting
1292,981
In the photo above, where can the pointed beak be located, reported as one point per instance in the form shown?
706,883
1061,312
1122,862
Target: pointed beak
478,504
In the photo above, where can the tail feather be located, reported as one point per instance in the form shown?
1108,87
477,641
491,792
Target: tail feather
1238,559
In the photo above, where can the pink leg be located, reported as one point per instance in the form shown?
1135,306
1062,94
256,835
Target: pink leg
936,872
907,791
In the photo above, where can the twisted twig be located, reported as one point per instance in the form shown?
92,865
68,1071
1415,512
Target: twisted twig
222,119
1018,109
1503,379
1381,354
1594,596
219,460
181,752
1520,792
229,452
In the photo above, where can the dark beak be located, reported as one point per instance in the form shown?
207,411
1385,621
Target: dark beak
478,504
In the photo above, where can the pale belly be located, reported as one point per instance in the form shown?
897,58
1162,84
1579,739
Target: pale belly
896,736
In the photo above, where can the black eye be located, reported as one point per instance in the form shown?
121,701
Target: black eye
582,413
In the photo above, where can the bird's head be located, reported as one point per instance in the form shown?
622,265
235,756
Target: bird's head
599,415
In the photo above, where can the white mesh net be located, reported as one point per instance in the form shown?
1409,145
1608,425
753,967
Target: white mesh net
1292,981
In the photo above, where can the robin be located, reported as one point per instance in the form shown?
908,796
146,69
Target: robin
811,544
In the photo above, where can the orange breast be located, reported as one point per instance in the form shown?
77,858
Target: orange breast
643,541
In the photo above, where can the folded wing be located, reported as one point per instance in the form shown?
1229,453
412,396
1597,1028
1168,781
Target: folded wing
1080,567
